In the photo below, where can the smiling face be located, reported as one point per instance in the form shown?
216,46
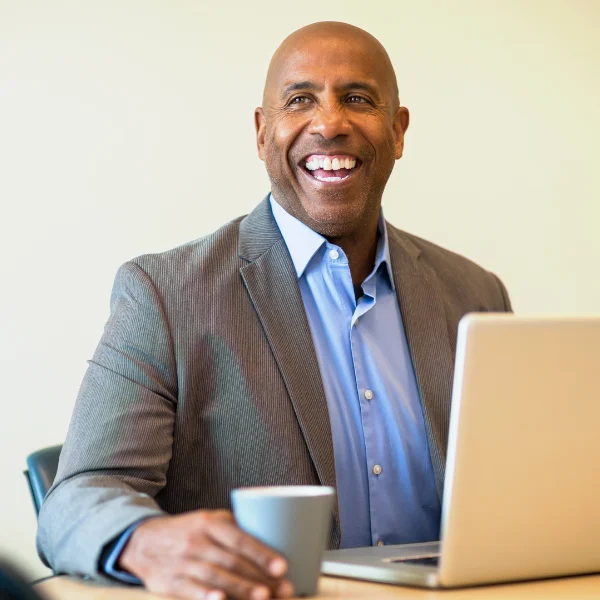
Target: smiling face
330,127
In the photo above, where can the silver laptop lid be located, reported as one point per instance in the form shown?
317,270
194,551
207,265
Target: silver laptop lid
522,495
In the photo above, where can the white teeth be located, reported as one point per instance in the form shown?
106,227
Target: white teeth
330,178
326,163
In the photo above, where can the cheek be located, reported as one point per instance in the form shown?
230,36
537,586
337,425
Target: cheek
283,134
285,130
381,137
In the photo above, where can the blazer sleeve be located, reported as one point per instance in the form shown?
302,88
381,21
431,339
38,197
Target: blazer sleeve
507,306
118,447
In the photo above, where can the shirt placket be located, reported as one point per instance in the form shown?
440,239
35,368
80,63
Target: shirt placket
365,387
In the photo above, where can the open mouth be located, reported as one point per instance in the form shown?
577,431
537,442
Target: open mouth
330,168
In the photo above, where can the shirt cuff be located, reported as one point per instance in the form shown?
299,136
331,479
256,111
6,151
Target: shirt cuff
114,550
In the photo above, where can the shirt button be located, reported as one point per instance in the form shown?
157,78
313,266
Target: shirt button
380,543
334,254
377,469
368,394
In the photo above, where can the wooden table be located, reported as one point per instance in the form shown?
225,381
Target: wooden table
572,588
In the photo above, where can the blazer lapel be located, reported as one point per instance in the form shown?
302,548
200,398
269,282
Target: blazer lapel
272,283
425,323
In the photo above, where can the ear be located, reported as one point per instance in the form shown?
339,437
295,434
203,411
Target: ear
401,120
261,125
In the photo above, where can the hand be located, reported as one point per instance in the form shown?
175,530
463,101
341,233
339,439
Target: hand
204,555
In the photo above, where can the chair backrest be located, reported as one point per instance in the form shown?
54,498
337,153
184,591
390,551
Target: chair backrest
41,471
13,585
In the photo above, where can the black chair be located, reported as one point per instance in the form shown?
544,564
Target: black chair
41,471
13,585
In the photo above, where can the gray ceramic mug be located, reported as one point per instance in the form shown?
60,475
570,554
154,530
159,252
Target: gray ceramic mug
293,520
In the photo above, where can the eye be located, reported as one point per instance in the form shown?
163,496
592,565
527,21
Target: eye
299,100
354,99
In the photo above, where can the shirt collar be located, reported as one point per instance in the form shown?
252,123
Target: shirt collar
303,242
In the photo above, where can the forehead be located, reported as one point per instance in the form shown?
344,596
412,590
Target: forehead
332,60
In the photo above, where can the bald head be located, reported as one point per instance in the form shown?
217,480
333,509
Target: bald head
326,34
331,128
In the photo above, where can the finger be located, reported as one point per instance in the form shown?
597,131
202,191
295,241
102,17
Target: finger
188,588
232,584
230,536
230,561
223,515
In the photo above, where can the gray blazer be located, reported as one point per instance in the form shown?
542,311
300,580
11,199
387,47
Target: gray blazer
206,379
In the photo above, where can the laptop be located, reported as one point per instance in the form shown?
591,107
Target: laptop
522,485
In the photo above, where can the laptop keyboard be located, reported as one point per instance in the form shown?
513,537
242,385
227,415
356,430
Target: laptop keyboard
426,561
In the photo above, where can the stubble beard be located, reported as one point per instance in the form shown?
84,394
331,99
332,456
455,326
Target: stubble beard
333,220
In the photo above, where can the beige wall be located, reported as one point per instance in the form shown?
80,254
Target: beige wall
126,127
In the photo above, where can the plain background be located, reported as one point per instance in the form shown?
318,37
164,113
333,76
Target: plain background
126,127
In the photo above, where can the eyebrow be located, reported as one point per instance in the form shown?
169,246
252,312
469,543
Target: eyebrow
353,85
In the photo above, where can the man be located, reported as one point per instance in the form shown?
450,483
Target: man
307,343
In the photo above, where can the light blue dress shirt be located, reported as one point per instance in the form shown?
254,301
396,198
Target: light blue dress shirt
110,564
385,481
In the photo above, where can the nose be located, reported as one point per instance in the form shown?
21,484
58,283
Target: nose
330,122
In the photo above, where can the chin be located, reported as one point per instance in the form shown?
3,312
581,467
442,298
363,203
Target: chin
334,220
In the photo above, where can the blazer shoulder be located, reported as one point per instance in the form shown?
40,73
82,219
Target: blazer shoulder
456,273
438,256
209,255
